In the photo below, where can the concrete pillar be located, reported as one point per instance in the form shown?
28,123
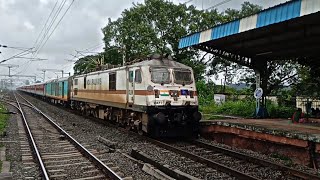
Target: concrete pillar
258,78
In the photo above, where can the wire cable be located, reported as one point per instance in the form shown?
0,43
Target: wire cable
50,25
56,25
45,24
218,4
187,2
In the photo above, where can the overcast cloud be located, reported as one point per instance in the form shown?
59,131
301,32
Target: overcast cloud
22,21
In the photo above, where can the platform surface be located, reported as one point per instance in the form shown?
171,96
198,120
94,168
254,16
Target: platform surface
279,127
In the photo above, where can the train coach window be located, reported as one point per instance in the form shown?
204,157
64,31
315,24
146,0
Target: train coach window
76,82
138,78
130,76
112,81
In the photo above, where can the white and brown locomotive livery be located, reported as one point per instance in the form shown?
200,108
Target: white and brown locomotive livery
155,96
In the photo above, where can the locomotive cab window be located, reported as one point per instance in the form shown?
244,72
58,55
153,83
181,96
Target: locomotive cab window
160,75
182,76
76,82
130,76
112,81
138,77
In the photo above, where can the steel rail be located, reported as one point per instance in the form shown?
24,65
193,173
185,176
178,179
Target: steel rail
256,160
9,100
33,144
202,160
172,172
111,174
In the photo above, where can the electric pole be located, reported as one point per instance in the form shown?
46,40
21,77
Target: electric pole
9,66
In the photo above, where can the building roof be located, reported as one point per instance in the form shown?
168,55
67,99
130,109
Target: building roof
274,15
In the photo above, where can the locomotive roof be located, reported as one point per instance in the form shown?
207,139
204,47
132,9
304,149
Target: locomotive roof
160,62
152,62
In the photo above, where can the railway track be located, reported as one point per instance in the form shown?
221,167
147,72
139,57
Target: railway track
206,161
236,165
56,153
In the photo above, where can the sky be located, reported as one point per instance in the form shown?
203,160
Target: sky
80,29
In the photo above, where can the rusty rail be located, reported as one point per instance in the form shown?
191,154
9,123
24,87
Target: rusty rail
202,160
111,174
256,160
32,142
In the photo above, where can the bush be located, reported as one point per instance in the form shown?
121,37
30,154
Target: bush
241,108
280,111
245,108
3,118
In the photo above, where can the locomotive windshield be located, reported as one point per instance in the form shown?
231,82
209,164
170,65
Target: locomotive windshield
182,76
160,75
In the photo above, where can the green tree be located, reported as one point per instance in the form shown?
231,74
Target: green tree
277,75
308,81
156,27
87,64
218,65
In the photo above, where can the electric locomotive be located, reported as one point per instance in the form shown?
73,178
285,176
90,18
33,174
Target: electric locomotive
156,96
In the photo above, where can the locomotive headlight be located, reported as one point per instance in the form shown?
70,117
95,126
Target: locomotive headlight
149,88
174,93
191,94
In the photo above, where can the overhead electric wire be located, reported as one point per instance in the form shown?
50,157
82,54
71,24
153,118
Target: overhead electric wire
218,4
47,30
45,24
25,65
56,25
53,19
187,2
32,59
16,55
78,55
93,47
3,56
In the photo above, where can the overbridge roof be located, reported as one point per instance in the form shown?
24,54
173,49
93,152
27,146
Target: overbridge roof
288,30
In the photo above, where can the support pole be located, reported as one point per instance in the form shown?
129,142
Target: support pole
258,81
124,55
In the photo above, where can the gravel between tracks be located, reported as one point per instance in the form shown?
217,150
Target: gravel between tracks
191,167
265,157
86,131
13,151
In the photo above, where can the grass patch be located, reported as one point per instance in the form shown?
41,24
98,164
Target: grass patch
3,123
3,120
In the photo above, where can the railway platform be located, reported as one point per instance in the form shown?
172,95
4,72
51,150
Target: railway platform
299,143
